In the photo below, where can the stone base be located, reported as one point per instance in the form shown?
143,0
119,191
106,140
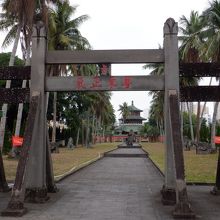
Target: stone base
52,189
14,213
215,191
36,195
168,196
15,209
183,210
5,188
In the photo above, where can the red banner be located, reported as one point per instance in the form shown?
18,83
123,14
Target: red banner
17,141
217,139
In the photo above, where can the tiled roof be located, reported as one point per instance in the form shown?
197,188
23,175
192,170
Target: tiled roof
134,117
133,108
127,128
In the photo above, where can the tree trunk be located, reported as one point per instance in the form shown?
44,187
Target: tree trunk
93,128
87,130
77,137
100,135
190,121
197,123
54,116
82,134
181,118
96,133
214,125
21,105
8,85
203,109
103,134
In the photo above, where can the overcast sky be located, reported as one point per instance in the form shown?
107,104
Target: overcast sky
127,24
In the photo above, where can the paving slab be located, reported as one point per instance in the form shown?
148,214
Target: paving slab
124,145
127,152
115,188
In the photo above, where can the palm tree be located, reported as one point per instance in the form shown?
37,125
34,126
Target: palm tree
156,110
102,111
18,16
191,41
157,103
7,22
212,47
64,32
124,111
64,35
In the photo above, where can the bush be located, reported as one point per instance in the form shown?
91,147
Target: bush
7,142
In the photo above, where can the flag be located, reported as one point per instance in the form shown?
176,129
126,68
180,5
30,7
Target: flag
17,141
217,139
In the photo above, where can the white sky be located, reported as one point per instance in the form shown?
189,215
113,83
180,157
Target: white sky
127,24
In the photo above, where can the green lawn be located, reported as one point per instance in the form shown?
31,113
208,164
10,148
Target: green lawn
65,160
198,168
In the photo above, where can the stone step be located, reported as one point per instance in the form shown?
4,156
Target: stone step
124,145
126,155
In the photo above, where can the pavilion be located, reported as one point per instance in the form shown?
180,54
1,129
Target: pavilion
132,122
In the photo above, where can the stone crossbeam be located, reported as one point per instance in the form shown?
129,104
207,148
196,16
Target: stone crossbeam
105,56
105,83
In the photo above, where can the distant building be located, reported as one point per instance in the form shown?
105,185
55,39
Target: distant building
132,122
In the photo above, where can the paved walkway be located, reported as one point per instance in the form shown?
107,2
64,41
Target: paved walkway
116,188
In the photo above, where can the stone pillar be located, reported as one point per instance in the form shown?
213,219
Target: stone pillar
15,206
216,188
3,183
182,208
51,187
36,190
171,71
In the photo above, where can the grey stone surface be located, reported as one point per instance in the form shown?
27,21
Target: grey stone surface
127,151
124,145
115,188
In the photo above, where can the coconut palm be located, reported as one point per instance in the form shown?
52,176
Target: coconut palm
158,97
191,40
212,47
16,16
101,108
64,32
157,110
157,103
64,35
8,22
124,111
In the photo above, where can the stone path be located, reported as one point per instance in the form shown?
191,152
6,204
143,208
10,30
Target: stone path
127,152
116,188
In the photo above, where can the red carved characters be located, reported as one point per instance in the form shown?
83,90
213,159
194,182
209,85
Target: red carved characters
126,82
80,83
112,82
103,83
96,83
104,69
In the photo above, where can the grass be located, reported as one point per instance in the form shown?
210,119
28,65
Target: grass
198,168
65,160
